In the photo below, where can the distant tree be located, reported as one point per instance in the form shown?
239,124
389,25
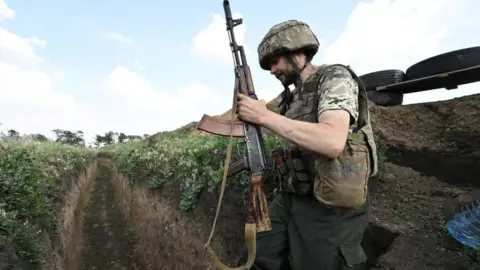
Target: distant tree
99,140
122,137
134,137
69,137
38,137
109,137
13,133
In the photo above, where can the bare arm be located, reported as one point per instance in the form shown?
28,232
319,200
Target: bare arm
338,109
326,137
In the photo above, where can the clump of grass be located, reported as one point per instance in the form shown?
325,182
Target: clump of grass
381,157
196,160
28,170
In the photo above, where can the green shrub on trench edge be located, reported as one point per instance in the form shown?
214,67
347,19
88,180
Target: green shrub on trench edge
196,160
29,171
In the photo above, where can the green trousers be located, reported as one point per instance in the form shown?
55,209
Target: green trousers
307,235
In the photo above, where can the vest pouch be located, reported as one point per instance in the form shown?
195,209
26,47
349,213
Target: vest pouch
302,183
343,181
293,174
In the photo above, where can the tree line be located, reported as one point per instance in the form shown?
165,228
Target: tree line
77,137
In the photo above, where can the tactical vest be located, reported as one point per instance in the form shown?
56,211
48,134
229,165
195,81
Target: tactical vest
339,182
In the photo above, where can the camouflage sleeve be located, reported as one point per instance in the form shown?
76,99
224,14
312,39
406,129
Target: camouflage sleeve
338,91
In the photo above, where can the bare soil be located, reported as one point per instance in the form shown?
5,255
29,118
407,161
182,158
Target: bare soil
108,242
433,152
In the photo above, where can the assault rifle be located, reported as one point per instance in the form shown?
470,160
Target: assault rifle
258,219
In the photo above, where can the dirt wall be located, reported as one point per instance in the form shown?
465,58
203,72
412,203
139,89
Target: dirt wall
65,249
173,239
440,139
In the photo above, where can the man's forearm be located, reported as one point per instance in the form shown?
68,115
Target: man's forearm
317,137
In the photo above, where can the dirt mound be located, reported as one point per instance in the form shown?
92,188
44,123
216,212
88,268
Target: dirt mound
432,151
438,138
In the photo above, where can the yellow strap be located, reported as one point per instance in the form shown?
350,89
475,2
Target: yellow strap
250,229
250,234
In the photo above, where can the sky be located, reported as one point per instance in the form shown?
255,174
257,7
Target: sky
142,67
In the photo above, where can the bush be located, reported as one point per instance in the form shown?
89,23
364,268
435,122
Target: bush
196,160
28,170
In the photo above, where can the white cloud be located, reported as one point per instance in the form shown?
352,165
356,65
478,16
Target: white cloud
6,12
30,87
160,109
119,37
18,49
386,34
44,120
212,43
380,34
29,102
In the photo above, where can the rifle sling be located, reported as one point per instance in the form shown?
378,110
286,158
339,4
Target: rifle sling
250,228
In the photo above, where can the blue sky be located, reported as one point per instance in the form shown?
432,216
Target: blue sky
143,67
161,34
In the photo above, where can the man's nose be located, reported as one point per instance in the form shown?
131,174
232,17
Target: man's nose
273,69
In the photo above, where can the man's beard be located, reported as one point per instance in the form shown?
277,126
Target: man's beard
287,78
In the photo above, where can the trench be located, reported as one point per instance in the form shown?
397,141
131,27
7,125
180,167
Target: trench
129,227
108,243
376,241
453,168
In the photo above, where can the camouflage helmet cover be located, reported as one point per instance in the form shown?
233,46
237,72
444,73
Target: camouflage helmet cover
287,36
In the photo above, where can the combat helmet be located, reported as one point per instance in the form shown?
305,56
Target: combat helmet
287,36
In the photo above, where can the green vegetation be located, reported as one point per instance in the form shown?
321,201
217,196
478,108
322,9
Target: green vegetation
29,170
381,157
31,166
197,160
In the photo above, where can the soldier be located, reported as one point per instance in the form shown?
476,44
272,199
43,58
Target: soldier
320,214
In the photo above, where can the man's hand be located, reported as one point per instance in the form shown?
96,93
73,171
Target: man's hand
251,110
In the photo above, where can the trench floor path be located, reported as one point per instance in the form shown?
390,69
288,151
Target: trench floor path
108,243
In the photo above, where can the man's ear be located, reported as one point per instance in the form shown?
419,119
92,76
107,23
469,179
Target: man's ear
300,59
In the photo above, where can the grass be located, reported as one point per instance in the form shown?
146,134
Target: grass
28,190
196,160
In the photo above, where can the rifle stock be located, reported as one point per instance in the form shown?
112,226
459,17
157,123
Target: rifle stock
258,218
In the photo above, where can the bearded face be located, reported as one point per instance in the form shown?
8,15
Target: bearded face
281,68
